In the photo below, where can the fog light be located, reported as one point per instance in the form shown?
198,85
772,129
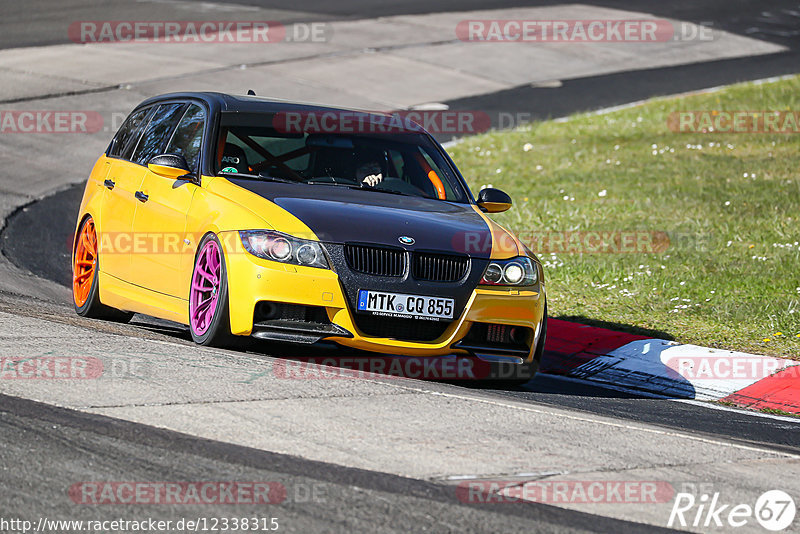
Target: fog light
518,335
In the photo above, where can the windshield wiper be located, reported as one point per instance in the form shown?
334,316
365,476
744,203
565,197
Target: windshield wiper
388,192
359,188
336,184
340,184
258,177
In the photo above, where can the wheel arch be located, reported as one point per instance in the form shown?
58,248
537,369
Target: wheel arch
81,219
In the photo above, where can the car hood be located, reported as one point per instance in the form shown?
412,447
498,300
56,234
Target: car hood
340,215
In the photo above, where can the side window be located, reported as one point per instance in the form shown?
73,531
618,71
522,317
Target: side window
157,133
188,136
129,131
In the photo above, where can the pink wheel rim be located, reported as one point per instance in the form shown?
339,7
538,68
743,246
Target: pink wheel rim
204,294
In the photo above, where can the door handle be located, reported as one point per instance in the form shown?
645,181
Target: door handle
141,196
109,184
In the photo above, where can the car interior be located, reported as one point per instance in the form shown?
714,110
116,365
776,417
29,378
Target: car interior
405,168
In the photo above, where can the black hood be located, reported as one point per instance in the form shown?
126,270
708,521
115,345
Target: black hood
341,215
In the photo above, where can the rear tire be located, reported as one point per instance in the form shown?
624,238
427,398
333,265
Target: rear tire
209,317
85,269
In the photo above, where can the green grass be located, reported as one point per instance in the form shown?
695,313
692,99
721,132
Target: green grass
731,275
771,411
774,411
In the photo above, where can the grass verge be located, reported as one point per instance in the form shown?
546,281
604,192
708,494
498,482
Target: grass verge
722,211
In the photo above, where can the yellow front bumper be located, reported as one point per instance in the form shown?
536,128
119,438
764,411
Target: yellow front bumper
252,280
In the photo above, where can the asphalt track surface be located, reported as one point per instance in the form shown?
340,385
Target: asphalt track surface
319,497
41,22
45,449
49,223
38,442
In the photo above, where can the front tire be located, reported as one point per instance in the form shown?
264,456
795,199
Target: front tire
209,318
85,269
537,356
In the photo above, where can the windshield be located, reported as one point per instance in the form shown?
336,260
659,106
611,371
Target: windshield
257,146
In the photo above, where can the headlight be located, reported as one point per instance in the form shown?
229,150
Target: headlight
519,271
284,248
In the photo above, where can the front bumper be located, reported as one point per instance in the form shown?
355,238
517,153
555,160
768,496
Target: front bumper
253,280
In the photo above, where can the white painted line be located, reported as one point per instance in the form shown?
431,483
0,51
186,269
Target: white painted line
547,84
715,406
203,6
539,475
604,422
710,404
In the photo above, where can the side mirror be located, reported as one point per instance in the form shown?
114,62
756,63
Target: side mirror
493,200
171,166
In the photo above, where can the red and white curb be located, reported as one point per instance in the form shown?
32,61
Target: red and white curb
670,369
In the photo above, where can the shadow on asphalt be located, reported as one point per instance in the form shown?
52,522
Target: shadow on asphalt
157,326
619,327
315,359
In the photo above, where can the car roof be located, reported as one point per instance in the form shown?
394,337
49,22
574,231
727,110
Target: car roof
224,102
227,103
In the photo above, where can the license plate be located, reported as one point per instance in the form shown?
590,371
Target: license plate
402,305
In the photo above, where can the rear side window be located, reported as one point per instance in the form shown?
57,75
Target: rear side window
188,136
128,133
158,131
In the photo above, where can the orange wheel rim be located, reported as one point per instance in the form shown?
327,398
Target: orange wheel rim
84,263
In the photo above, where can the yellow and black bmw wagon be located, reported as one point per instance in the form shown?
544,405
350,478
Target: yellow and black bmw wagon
243,216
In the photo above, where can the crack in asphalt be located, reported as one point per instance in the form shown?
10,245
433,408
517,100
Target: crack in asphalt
237,401
51,96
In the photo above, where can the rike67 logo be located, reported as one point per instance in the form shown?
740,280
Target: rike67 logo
774,510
